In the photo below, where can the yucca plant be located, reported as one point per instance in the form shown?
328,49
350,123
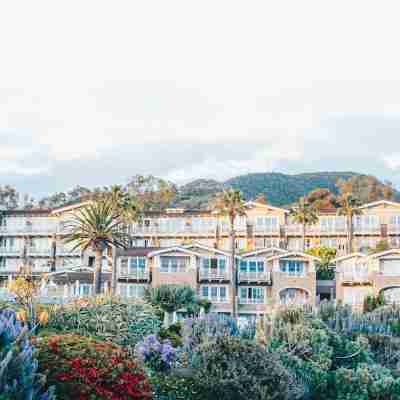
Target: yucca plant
96,226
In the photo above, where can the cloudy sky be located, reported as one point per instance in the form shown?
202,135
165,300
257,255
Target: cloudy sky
92,92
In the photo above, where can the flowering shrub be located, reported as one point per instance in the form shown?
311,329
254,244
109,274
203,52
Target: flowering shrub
84,368
159,356
19,379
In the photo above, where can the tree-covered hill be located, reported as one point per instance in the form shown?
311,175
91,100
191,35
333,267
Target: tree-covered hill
282,189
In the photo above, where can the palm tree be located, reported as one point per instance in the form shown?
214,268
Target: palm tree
349,207
230,204
96,226
125,208
303,214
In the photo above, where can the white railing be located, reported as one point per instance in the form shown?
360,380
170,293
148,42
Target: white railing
254,276
394,228
62,251
137,275
156,230
216,299
376,229
28,229
355,276
206,274
4,251
251,301
39,252
266,229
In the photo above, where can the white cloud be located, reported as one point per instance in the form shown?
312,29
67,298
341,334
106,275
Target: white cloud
290,82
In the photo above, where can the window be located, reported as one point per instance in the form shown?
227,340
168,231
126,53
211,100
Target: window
355,295
266,224
293,296
137,265
251,295
390,267
174,264
251,266
216,294
214,263
292,267
131,290
3,262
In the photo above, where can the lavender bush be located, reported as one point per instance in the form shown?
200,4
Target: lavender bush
19,379
158,355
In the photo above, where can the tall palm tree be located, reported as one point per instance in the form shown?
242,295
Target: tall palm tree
127,209
230,204
303,214
96,226
349,208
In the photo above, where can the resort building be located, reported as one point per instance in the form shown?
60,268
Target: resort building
192,247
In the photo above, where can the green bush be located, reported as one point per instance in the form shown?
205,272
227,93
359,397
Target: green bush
229,368
173,387
173,333
107,319
84,368
371,302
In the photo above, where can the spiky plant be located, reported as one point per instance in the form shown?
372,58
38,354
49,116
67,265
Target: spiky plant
230,204
96,226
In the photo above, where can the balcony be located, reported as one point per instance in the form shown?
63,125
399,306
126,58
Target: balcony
266,229
245,300
64,251
136,275
354,278
28,230
264,277
217,275
39,252
5,251
394,229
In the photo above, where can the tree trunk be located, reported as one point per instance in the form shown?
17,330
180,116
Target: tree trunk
97,271
303,237
350,234
234,272
114,272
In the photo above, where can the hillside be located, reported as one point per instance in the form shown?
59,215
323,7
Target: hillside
282,189
279,189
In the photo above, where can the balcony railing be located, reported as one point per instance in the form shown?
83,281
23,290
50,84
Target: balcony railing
243,300
266,229
28,229
4,251
140,275
393,228
356,277
207,275
62,251
39,252
254,276
216,299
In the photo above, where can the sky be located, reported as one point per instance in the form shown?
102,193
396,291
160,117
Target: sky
93,92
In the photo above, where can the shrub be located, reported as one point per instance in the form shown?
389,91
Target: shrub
171,298
230,368
107,319
172,333
371,302
367,382
157,355
85,368
173,387
19,379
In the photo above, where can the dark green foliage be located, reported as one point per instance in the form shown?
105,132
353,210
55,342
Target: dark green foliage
371,302
173,333
175,387
230,368
282,189
171,298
